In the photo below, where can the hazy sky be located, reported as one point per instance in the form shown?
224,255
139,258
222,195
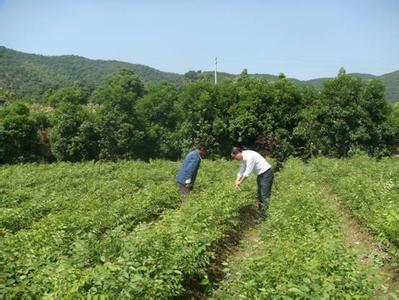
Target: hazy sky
303,39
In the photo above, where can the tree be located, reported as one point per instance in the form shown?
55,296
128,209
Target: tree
121,86
394,120
72,95
122,132
251,97
352,118
305,135
282,116
205,117
74,136
18,135
394,114
265,114
160,111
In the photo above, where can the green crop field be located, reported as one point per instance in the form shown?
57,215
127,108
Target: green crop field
304,249
117,230
94,133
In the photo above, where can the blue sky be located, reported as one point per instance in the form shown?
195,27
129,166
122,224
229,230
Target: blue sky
303,39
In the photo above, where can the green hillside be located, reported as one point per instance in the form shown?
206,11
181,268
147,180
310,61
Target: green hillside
391,82
30,75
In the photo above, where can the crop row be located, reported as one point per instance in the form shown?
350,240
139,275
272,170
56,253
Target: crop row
90,202
73,256
155,259
301,253
369,188
29,193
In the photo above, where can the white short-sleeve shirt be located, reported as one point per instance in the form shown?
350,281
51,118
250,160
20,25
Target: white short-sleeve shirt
252,162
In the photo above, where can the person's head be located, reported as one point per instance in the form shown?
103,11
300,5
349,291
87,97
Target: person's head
201,148
236,153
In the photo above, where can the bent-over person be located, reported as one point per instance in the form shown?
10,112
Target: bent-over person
253,162
188,172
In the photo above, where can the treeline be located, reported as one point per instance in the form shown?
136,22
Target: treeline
123,119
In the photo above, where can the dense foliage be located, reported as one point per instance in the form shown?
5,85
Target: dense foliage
369,188
301,253
352,117
93,110
124,119
72,231
72,215
116,230
22,135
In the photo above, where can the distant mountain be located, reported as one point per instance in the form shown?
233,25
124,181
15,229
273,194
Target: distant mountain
30,75
391,82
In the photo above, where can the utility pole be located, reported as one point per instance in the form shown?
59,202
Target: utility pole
216,70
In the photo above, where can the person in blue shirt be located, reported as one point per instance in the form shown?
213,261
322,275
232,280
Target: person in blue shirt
188,171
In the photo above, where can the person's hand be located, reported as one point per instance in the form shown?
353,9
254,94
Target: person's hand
237,184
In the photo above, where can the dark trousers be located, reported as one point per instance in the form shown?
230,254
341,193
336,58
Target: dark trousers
265,182
184,190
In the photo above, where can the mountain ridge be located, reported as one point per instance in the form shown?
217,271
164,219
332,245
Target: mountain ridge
30,75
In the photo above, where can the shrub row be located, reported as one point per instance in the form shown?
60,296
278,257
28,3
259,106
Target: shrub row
71,212
156,259
370,188
301,253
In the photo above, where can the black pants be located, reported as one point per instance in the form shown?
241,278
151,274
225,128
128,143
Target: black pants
265,182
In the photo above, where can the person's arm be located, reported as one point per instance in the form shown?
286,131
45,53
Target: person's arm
194,177
245,172
241,171
239,180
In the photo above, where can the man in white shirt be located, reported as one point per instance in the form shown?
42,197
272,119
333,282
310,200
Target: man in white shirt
253,162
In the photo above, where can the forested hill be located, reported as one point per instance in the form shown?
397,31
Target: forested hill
30,75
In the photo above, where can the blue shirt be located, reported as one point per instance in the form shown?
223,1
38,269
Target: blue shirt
189,169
